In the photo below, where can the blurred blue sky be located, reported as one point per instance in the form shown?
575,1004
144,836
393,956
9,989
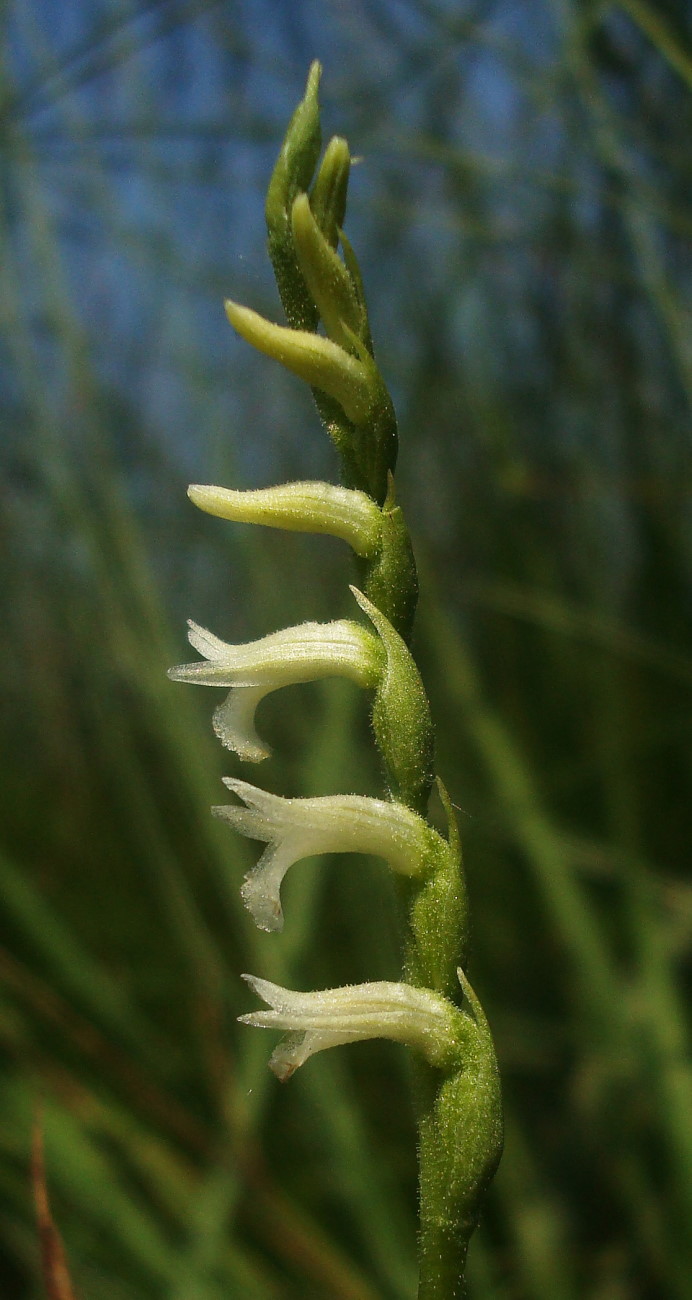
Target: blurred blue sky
502,193
150,130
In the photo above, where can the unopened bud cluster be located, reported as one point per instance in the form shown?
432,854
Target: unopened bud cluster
434,1011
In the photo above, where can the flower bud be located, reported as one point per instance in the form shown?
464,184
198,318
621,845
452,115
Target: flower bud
328,194
327,278
299,153
296,654
318,1020
292,173
354,271
300,507
343,823
317,360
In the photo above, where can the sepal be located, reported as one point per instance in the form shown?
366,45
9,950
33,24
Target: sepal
327,278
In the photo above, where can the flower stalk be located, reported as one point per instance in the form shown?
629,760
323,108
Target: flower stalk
433,1010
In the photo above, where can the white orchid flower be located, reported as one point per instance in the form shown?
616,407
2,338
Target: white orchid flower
341,823
327,1018
297,654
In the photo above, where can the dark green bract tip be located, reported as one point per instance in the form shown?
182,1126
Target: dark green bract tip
293,173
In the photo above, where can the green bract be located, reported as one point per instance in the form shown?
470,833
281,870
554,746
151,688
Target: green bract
433,1010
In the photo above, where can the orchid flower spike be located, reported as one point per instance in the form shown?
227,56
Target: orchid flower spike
344,823
327,343
297,654
329,1017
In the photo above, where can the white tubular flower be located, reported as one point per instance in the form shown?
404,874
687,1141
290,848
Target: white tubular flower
351,1014
297,654
341,823
301,507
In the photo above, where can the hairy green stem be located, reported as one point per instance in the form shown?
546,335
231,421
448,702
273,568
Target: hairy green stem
458,1115
435,946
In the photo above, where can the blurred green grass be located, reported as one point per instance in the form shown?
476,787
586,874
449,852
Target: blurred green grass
533,309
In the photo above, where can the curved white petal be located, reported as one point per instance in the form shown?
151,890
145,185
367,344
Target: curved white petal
234,723
261,889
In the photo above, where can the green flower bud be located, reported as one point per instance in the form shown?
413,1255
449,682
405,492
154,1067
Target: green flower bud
327,278
353,269
317,360
292,173
301,507
300,150
328,194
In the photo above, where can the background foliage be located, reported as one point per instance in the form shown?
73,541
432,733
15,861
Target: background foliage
522,216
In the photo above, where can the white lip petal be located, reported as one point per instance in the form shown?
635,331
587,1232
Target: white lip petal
294,1050
265,817
234,723
261,889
